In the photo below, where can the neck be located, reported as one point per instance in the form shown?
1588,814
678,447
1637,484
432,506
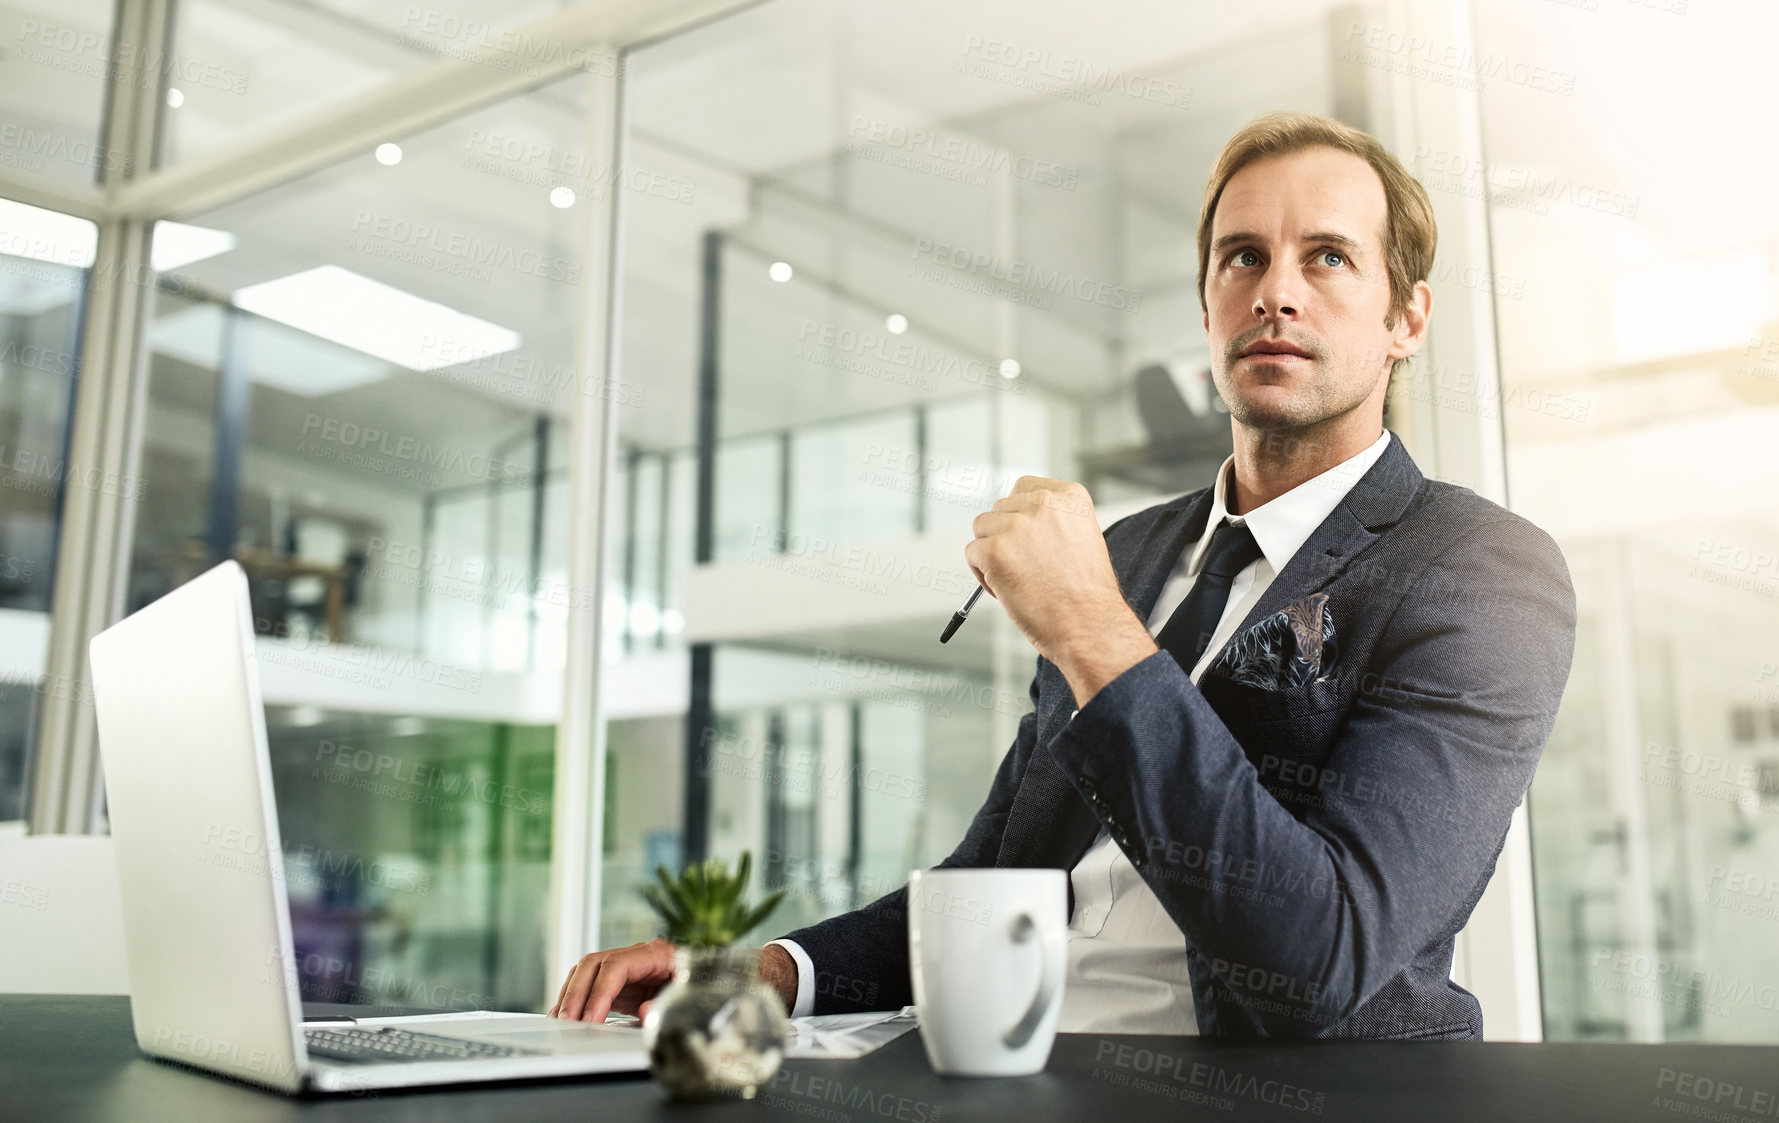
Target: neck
1268,463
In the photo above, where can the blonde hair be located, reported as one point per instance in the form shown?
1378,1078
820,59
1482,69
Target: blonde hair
1410,235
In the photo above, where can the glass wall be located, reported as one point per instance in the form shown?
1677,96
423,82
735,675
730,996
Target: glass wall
236,72
363,396
52,86
911,268
1639,396
44,259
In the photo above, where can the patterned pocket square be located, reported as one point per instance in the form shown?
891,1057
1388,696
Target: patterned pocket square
1288,649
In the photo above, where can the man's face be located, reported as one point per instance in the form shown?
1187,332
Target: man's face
1297,261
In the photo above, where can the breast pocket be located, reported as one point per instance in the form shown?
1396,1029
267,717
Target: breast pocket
1286,734
1257,705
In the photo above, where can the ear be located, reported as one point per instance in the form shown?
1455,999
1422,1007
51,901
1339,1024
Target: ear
1411,327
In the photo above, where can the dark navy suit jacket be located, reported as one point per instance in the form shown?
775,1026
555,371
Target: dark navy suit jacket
1320,845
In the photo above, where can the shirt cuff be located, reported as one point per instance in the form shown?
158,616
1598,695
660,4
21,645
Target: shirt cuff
805,1004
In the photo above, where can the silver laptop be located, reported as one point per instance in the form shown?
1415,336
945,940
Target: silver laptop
200,864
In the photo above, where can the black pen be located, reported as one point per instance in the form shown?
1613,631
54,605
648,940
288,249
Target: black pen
958,617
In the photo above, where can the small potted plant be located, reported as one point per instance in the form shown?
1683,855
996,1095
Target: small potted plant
716,1029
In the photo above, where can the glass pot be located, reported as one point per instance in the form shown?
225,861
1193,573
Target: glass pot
716,1029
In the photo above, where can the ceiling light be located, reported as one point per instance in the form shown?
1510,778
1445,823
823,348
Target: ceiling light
283,357
780,272
175,98
897,323
176,244
1009,368
369,316
389,155
562,197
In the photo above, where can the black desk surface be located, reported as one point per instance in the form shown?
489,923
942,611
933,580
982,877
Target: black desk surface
73,1058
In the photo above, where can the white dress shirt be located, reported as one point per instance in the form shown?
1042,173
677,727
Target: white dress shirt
1127,958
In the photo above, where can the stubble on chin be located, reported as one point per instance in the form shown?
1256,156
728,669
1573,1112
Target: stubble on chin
1300,409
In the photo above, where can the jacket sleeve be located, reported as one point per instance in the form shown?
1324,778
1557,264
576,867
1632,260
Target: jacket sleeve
1302,917
861,957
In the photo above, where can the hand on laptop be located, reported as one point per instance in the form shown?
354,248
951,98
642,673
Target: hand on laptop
626,979
621,979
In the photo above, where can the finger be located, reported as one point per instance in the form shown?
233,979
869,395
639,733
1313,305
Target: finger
1050,493
581,966
556,1007
1060,495
991,522
639,988
562,990
1034,500
561,1008
1014,501
1074,499
643,1010
613,974
575,996
972,550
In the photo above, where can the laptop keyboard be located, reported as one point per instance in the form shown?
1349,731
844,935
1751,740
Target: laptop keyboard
390,1044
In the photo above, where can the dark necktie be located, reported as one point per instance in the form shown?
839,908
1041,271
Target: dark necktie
1188,631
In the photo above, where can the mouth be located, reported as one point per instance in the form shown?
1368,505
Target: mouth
1273,350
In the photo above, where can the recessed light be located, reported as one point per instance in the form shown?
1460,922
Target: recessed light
562,197
176,244
780,271
175,97
1009,368
295,362
389,155
897,323
369,316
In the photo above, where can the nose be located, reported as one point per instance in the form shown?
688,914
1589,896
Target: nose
1279,293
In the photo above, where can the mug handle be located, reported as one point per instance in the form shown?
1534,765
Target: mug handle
1023,927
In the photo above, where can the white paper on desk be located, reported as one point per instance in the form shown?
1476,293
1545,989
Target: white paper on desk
447,1016
845,1036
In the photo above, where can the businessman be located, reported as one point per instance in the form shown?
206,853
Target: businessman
1280,724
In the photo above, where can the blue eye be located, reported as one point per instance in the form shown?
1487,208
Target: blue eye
1335,253
1240,253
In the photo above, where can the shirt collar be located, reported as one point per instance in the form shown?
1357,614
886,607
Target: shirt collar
1282,524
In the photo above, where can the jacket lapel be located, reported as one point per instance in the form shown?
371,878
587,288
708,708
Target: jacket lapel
1151,562
1374,503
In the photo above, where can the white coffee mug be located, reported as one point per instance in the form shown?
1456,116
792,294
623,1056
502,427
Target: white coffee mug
988,949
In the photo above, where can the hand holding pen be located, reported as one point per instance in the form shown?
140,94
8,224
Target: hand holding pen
1042,548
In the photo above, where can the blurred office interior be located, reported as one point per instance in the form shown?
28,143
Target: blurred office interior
434,308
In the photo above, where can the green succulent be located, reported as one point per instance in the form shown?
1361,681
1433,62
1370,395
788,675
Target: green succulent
702,908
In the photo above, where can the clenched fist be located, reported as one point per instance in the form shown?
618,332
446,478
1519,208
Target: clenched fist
1040,552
